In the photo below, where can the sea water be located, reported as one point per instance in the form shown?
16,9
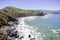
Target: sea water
39,27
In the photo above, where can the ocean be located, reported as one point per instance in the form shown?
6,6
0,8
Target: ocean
38,27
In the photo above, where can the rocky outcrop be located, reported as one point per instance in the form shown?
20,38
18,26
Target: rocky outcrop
5,21
3,33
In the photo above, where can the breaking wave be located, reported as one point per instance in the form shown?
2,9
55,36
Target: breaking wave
24,31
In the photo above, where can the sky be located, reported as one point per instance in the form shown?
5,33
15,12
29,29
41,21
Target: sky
32,4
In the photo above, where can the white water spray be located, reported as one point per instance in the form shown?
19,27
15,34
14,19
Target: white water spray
27,32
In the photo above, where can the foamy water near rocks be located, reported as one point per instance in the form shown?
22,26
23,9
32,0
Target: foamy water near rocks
23,31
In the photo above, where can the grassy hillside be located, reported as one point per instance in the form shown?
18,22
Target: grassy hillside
13,10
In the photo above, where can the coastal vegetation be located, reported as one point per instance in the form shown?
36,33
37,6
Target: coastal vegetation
13,10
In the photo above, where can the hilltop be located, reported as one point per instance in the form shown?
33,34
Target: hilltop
15,11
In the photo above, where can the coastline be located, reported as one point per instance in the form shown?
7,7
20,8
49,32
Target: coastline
7,20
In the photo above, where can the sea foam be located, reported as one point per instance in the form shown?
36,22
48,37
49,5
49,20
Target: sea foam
25,31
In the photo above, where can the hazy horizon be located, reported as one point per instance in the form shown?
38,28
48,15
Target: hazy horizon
32,4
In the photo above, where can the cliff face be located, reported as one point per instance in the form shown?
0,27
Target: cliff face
5,18
5,21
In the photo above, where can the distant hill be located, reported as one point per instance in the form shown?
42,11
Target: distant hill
57,12
13,10
21,12
50,11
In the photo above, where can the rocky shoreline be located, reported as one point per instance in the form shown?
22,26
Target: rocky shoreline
18,33
6,20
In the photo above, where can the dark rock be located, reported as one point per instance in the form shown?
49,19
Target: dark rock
40,14
3,36
21,37
11,19
29,36
16,36
13,33
9,39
